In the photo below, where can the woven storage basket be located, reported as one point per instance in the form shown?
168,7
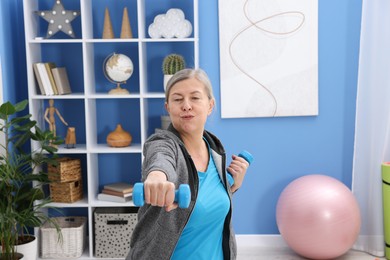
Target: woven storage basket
73,241
67,192
68,169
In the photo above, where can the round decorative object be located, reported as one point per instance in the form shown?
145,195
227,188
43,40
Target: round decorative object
119,137
118,68
318,217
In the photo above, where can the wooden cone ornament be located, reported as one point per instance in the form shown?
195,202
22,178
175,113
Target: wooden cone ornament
126,32
108,32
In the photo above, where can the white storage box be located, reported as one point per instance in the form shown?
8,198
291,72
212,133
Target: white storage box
73,239
113,230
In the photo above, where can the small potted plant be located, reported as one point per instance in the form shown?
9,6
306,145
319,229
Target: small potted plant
172,63
22,178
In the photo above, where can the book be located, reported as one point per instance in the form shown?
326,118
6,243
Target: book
49,66
116,193
39,79
119,186
61,80
45,79
113,198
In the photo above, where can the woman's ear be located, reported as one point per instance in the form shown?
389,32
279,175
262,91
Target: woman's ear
211,104
166,107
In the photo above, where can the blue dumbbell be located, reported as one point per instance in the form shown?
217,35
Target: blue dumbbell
182,195
248,157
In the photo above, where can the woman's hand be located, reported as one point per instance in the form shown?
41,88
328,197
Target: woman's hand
159,192
237,169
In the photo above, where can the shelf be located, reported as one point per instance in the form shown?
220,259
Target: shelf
43,40
169,40
90,109
79,149
104,148
110,96
78,204
99,203
118,40
68,96
154,95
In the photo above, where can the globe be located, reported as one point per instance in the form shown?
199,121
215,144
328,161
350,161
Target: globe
118,68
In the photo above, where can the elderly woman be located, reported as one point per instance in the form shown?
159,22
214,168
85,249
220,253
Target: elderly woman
187,154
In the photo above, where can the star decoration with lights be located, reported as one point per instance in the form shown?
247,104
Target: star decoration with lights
59,19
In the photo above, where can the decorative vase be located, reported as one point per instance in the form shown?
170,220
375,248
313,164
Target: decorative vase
29,250
167,77
119,137
70,140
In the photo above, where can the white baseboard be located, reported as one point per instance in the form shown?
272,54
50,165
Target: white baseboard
260,241
248,243
373,245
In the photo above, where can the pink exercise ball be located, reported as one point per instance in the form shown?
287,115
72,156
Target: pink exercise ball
318,217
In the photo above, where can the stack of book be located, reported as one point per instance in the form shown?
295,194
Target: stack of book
51,80
117,192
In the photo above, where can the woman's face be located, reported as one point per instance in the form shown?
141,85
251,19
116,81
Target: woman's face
188,106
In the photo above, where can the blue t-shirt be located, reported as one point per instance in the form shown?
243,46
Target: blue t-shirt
202,236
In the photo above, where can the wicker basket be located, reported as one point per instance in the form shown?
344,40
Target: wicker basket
68,169
67,192
73,240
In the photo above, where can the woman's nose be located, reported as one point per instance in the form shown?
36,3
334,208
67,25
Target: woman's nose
187,105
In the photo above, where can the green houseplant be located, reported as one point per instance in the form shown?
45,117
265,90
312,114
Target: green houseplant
22,176
172,63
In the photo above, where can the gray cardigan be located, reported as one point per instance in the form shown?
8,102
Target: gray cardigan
157,232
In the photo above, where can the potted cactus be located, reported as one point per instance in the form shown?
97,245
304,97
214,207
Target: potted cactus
172,63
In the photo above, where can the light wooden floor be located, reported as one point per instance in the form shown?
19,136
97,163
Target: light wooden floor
285,253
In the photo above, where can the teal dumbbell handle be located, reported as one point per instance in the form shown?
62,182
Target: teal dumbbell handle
182,195
248,157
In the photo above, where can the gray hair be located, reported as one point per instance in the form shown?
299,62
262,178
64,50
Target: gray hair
184,74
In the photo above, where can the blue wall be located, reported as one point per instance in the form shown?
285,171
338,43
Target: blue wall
287,148
284,148
12,50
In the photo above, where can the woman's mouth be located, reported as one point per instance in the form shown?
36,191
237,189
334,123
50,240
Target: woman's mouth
186,117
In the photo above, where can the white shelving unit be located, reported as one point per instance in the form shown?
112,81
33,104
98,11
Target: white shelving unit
90,108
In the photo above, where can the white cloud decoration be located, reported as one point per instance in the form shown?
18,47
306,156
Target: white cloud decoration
170,25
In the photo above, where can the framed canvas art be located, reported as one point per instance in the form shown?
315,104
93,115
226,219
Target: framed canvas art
268,58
